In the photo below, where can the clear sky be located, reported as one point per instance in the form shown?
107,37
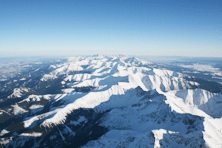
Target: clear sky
132,27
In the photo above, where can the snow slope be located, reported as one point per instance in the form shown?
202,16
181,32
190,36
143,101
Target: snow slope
135,104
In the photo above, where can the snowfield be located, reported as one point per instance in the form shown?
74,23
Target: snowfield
114,101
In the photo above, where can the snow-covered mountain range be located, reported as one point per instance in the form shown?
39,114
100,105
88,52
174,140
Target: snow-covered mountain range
109,101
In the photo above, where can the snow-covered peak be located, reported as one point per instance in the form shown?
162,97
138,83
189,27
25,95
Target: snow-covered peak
17,109
109,76
18,92
118,100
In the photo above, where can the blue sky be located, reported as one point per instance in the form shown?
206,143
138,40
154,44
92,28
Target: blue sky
132,27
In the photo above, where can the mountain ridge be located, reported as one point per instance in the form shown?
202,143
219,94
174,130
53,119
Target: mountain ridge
113,95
